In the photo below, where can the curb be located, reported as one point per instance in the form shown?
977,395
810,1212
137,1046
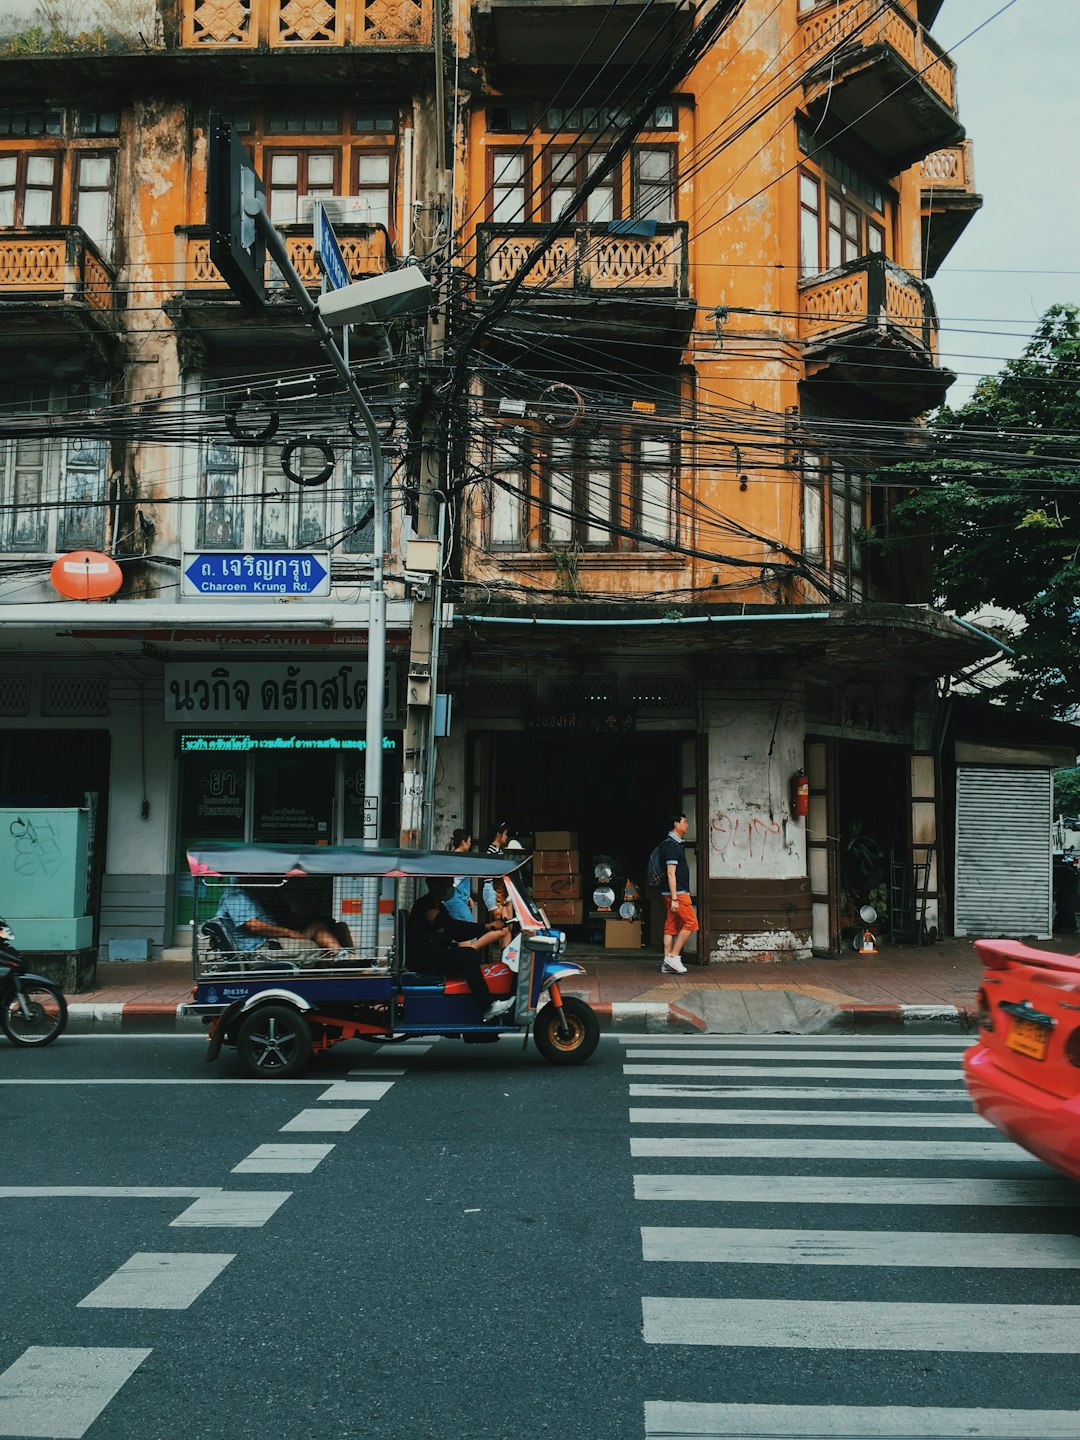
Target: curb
909,1017
148,1018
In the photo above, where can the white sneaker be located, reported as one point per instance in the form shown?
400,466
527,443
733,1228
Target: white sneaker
497,1008
673,966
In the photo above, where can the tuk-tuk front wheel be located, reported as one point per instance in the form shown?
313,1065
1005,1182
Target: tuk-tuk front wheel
568,1039
273,1042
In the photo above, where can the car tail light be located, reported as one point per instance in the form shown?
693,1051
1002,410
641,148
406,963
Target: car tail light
1072,1048
983,1014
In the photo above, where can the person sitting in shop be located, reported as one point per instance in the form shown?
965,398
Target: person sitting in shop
245,909
437,944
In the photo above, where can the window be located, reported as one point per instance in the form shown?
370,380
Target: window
372,183
303,122
507,119
834,518
29,186
97,122
835,227
31,122
507,495
567,171
654,183
375,120
92,202
52,493
292,175
246,502
657,489
508,187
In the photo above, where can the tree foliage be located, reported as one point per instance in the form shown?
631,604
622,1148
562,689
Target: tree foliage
998,491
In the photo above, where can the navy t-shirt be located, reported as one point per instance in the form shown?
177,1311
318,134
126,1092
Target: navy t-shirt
670,850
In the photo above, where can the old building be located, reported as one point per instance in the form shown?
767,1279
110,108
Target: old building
674,398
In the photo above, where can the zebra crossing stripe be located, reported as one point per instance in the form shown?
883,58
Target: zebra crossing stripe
862,1325
689,1420
799,1148
56,1392
811,1119
156,1282
698,1244
282,1160
778,1092
951,1076
863,1057
850,1190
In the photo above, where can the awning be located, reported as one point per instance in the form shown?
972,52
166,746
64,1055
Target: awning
346,860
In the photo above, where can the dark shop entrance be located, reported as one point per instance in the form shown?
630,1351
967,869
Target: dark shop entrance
613,794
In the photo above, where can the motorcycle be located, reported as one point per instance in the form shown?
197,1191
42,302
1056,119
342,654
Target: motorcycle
33,1010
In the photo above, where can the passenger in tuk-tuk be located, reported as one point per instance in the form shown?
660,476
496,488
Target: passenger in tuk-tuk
246,907
437,944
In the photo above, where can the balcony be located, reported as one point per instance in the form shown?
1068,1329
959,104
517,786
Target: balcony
594,276
949,201
206,313
869,336
288,24
872,71
538,35
56,290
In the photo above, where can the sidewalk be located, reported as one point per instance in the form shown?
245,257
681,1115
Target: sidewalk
929,987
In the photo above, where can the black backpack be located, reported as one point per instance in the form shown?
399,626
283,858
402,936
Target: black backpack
655,870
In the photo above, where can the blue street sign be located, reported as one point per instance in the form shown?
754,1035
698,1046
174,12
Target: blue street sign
262,572
328,250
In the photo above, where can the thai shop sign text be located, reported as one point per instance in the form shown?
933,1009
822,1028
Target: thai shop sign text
307,690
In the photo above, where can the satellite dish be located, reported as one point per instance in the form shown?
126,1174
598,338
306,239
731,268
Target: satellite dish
86,575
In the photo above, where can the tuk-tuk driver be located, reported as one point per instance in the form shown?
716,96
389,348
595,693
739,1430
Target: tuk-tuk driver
437,944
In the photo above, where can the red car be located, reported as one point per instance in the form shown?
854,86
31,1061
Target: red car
1024,1072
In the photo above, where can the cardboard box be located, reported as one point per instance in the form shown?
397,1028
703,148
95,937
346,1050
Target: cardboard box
563,912
622,934
557,887
556,862
555,840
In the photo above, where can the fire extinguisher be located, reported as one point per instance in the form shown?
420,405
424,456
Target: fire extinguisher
800,793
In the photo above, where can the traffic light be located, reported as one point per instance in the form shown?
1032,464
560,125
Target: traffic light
233,193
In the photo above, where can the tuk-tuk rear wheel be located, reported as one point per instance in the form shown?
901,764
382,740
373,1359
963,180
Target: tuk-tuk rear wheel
581,1039
273,1042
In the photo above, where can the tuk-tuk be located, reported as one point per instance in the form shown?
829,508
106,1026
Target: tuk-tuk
279,1003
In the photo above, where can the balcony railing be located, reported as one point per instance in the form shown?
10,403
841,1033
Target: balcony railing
586,259
869,294
866,23
281,24
364,248
57,262
950,169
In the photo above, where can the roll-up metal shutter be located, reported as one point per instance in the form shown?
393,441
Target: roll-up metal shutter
1003,861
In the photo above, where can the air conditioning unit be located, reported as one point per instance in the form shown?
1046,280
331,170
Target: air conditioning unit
338,209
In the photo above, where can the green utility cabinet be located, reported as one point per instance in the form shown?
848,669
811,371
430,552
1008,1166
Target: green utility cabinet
44,864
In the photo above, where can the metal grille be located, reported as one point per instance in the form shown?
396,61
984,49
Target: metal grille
497,697
1003,862
581,694
65,695
15,695
663,696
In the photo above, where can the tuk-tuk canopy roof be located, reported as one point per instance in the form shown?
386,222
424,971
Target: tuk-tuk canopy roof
235,859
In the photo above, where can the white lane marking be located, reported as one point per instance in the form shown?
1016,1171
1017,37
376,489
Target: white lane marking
857,1057
325,1120
57,1392
951,1076
862,1325
373,1072
224,1081
691,1420
282,1160
357,1090
709,1245
153,1281
811,1042
106,1192
797,1092
739,1148
850,1190
242,1209
850,1119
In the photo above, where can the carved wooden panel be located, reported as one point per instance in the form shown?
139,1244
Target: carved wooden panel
32,264
308,22
839,301
219,22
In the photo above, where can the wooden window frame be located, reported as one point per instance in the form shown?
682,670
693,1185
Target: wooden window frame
672,150
361,152
303,154
496,154
22,158
77,157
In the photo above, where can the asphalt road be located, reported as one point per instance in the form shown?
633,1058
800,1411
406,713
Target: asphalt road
493,1247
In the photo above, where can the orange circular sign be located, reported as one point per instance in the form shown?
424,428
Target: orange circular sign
86,575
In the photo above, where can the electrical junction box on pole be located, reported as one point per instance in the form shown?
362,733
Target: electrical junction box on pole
234,197
327,250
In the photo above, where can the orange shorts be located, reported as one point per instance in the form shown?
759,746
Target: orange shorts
679,916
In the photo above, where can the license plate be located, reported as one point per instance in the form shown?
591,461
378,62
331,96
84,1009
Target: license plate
1028,1038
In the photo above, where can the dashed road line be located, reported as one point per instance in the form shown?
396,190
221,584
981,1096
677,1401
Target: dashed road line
156,1281
242,1209
56,1392
341,1120
282,1160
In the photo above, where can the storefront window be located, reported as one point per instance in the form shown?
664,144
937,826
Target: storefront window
293,798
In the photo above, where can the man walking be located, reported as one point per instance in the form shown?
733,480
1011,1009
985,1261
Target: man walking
680,922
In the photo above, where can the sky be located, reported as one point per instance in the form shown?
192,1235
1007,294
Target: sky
1018,84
